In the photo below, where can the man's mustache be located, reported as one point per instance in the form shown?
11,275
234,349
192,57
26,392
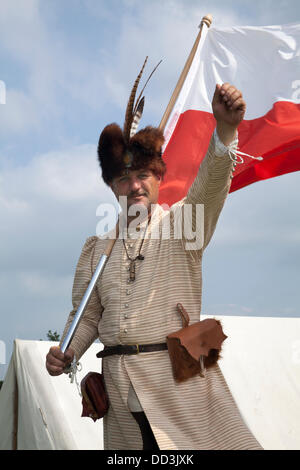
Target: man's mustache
131,195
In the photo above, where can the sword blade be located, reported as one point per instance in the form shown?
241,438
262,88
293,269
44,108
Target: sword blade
83,304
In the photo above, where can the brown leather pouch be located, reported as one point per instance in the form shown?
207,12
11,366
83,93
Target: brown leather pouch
194,348
95,402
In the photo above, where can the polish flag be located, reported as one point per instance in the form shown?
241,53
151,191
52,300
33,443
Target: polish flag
262,62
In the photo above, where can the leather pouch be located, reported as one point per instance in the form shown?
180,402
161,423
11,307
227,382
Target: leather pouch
194,348
95,402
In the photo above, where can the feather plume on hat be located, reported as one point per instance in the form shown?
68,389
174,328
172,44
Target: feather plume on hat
120,150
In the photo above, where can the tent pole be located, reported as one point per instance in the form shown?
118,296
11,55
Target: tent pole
207,19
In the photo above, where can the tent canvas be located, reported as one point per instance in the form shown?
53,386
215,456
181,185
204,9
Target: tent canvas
49,408
260,362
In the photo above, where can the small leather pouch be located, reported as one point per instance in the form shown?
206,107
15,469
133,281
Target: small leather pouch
194,348
95,402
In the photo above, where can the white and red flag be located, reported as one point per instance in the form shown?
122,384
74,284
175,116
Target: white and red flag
264,63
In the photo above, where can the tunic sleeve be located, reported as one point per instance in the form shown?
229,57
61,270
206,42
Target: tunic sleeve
87,331
197,214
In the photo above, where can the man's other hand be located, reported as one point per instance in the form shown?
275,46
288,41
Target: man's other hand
229,110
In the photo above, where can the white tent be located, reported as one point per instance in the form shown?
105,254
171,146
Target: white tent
48,408
261,363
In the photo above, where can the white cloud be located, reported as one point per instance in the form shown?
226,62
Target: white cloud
37,283
68,175
162,30
52,70
47,206
262,214
55,71
19,114
71,175
13,204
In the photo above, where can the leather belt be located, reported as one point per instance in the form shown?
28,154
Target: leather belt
121,349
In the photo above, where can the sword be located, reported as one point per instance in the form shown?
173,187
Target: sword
87,295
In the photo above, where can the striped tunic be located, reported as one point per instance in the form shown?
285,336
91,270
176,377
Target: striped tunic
199,413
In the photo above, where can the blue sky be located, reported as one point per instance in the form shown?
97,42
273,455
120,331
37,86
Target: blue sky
68,67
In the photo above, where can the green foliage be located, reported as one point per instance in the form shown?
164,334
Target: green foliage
53,336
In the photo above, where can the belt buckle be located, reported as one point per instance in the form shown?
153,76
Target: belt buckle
137,348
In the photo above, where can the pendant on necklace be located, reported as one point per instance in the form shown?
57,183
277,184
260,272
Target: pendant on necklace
132,267
132,270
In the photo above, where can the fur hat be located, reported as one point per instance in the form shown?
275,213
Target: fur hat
122,150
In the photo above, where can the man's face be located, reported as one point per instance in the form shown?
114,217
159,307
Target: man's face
139,186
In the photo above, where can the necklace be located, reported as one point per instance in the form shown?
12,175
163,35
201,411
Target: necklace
133,260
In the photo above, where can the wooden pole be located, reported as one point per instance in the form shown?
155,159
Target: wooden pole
207,19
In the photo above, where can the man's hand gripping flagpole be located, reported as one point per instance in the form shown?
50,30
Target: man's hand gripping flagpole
229,110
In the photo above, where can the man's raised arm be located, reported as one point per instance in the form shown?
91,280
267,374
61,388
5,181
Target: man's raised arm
212,183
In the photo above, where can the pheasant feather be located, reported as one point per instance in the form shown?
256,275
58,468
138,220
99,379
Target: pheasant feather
138,100
137,117
130,105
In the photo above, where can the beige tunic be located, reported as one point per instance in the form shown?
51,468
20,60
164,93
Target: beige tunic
199,413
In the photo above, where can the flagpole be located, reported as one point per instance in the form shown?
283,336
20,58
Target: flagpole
207,19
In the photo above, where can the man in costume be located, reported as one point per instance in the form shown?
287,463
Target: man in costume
145,278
